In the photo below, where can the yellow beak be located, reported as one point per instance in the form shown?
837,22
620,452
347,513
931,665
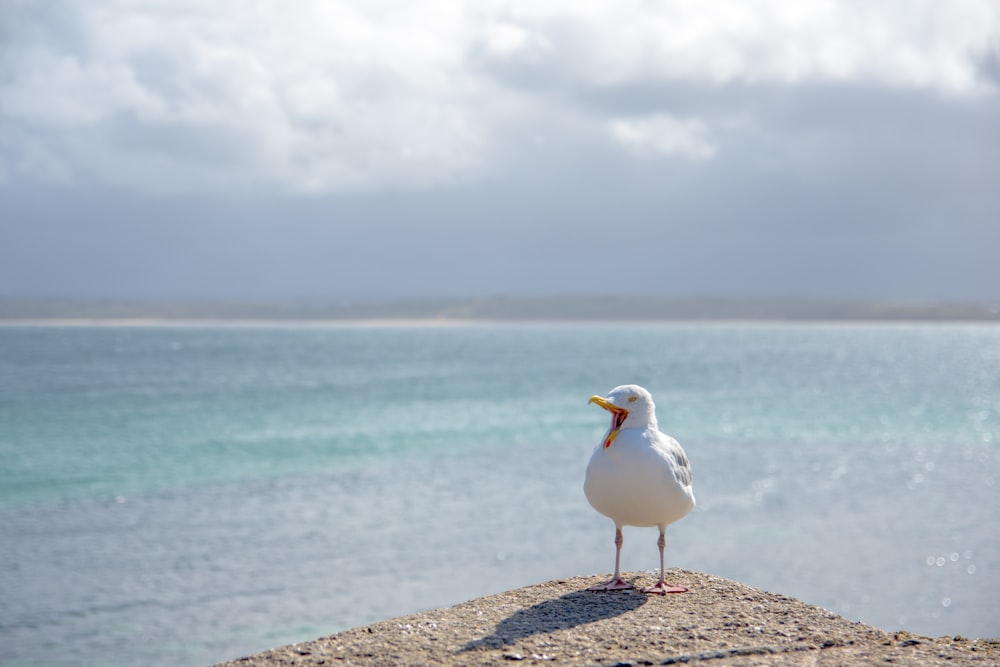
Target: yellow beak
618,415
604,403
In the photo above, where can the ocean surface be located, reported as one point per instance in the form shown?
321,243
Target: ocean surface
183,495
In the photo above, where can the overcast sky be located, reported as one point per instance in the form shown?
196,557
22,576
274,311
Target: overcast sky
367,148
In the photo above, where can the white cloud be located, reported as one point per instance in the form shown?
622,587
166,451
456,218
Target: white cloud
355,95
319,97
924,43
506,40
661,134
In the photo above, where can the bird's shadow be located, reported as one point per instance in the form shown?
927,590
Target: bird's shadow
568,611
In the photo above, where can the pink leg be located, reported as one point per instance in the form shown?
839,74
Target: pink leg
661,587
616,583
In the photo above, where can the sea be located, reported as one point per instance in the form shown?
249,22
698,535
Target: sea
186,494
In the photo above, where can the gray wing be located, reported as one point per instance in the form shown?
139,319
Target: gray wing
682,471
671,449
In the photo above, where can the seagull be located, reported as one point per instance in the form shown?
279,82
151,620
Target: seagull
637,476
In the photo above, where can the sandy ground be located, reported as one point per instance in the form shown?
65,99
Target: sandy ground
718,622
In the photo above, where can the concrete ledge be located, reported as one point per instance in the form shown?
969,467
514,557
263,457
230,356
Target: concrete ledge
718,622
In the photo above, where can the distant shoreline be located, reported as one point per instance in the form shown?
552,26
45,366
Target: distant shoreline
220,322
428,323
487,310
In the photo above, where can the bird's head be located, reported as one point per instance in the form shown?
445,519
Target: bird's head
630,405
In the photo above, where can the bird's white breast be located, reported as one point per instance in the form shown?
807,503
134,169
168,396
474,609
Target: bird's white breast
635,482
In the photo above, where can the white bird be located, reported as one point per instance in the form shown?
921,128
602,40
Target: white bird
637,476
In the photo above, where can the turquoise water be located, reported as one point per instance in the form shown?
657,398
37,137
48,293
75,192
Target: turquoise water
188,494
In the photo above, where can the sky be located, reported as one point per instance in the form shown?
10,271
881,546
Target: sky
367,149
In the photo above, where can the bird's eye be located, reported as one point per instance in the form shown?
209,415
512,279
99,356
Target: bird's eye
631,399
